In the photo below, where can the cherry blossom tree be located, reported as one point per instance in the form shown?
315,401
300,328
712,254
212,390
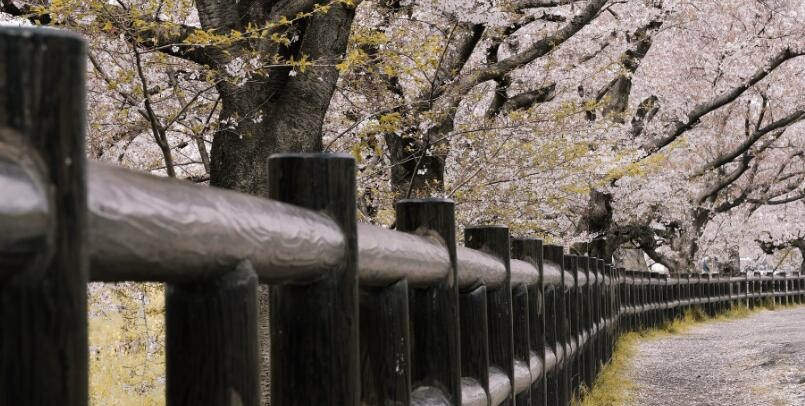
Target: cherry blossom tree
669,130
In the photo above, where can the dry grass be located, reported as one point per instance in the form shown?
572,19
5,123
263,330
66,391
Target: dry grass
612,387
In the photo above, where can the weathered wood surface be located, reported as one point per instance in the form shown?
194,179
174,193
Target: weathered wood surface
43,340
435,349
314,327
499,321
211,349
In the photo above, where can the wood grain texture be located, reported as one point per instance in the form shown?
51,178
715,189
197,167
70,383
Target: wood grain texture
25,207
475,336
43,341
477,268
385,341
559,391
149,228
522,352
314,326
211,350
494,240
434,311
387,256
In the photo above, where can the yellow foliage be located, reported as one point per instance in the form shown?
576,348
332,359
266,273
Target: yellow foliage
126,335
355,57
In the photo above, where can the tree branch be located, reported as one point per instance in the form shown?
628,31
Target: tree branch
778,127
542,47
645,113
529,98
26,11
644,238
461,42
158,130
678,128
163,36
725,181
615,95
523,4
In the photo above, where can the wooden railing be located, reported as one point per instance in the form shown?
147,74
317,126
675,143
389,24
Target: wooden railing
359,314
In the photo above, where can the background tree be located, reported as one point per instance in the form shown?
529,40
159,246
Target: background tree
672,127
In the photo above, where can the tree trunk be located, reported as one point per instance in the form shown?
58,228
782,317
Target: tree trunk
279,113
292,108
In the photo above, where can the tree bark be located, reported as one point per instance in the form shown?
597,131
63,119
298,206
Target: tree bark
274,114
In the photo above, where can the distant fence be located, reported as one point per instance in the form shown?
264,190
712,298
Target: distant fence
359,314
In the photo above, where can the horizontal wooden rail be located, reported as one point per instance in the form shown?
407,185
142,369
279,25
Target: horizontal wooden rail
148,228
25,205
477,268
387,256
359,314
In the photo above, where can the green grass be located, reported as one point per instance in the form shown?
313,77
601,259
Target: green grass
612,387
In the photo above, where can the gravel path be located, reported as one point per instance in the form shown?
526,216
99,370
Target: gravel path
758,360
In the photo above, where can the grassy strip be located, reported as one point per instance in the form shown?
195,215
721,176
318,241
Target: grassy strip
612,387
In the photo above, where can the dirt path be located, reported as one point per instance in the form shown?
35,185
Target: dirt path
758,360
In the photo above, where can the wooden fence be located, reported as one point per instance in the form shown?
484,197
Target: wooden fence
359,314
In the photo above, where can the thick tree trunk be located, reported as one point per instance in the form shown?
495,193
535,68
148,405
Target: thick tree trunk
800,244
279,113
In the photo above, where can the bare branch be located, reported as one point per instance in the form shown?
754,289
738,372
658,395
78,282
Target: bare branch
725,181
645,113
615,95
785,200
542,47
523,4
778,127
678,128
162,36
529,98
461,42
156,128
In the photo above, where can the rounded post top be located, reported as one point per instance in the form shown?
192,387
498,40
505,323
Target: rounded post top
41,32
426,200
311,155
538,240
486,226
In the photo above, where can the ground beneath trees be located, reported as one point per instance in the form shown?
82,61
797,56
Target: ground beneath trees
758,360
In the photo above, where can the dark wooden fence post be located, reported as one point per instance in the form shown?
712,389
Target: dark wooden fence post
314,327
495,240
600,300
588,314
572,313
554,316
520,329
613,316
385,345
435,351
475,336
43,314
211,341
555,253
748,290
530,250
